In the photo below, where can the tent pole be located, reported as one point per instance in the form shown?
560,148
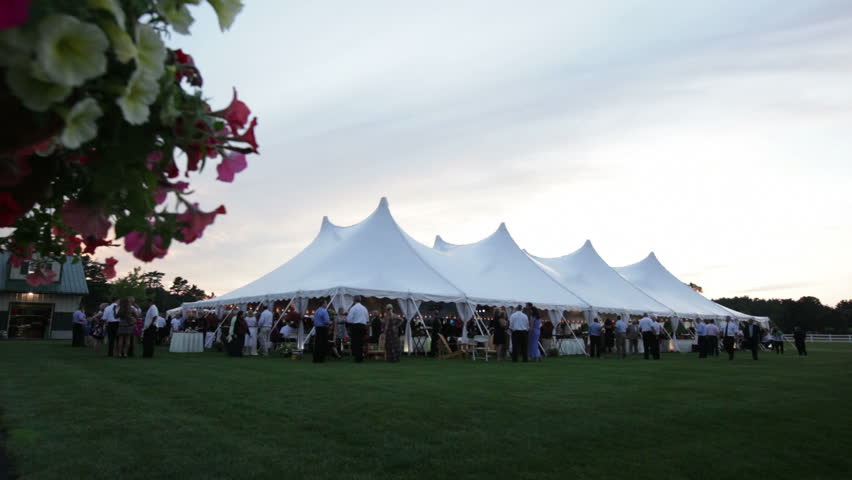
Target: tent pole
278,320
582,344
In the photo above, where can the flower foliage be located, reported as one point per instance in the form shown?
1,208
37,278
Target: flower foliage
102,118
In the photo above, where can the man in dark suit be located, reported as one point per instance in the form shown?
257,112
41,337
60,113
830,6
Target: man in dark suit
753,336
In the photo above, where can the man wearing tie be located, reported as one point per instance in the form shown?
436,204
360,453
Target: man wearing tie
729,336
753,337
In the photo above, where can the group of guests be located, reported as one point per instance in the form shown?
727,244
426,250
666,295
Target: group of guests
120,324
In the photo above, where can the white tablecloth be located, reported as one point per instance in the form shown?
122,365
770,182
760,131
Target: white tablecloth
570,346
187,342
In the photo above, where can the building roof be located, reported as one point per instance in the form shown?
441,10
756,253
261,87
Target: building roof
72,280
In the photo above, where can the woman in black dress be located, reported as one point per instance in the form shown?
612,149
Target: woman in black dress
609,335
237,335
498,326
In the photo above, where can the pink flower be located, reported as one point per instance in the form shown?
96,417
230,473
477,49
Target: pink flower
187,69
248,135
93,243
231,165
9,209
163,190
144,246
17,261
236,114
196,221
42,276
109,269
13,13
152,161
85,219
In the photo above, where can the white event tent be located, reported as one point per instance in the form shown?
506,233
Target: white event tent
376,258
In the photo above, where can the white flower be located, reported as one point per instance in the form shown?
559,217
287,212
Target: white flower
140,93
81,123
176,13
30,84
150,51
71,51
227,11
122,44
113,7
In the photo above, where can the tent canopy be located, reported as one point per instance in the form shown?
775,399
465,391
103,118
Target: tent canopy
585,273
653,278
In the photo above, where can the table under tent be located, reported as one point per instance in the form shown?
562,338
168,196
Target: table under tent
377,259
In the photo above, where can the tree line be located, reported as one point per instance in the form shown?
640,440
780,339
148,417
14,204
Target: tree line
137,284
806,312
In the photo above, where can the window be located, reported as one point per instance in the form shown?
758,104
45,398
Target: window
29,320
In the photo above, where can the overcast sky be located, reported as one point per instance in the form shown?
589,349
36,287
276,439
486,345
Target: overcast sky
717,134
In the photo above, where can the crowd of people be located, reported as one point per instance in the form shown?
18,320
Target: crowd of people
528,333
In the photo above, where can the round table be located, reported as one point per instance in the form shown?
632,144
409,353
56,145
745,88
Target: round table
187,342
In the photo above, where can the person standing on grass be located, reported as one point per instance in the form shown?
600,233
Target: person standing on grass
321,324
126,316
78,328
499,325
264,325
137,327
595,331
799,339
646,328
391,325
546,334
729,336
700,333
357,320
236,339
711,338
251,336
620,328
608,335
519,324
777,341
149,329
535,334
98,327
633,336
753,336
161,329
111,325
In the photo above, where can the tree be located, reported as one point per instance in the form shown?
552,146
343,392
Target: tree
153,280
103,115
131,285
99,289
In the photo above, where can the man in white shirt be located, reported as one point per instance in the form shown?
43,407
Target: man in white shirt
649,338
711,338
264,325
621,337
111,325
700,333
729,336
149,329
357,320
519,324
161,329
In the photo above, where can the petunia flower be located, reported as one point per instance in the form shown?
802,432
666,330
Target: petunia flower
13,13
72,243
17,261
71,51
161,191
122,44
231,165
30,84
176,13
81,123
92,243
42,276
236,114
196,221
109,268
227,11
144,246
85,219
248,135
140,93
9,209
150,51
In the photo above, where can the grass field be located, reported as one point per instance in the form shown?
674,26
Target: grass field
71,414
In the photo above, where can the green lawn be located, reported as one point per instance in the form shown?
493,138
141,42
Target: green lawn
71,414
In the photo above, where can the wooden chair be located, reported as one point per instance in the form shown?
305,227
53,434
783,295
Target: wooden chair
444,350
376,351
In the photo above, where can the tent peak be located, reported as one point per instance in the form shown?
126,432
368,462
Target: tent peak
383,203
502,227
